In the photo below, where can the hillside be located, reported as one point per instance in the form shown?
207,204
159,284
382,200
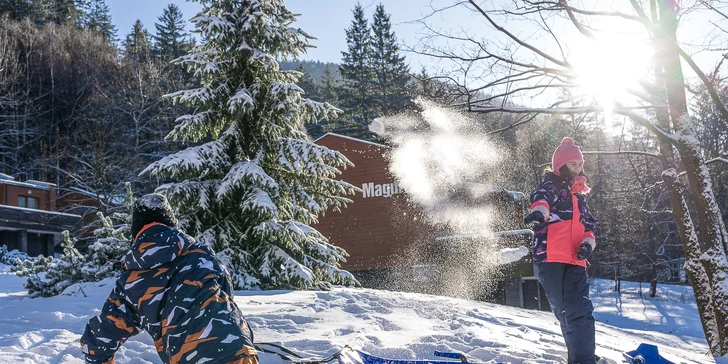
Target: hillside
315,68
383,323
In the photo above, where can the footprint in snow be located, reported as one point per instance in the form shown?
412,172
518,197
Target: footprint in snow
355,308
387,325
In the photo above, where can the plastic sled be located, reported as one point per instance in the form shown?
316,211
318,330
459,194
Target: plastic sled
351,356
645,354
347,355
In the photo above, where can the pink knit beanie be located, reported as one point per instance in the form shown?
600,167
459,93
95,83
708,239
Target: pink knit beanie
564,153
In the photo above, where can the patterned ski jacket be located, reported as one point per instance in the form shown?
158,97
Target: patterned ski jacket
176,290
568,220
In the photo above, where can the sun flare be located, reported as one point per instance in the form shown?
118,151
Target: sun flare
609,66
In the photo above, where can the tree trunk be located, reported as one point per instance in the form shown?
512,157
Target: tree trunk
652,254
712,231
667,158
693,267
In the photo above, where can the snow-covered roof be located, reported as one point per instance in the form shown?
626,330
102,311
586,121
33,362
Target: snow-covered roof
21,184
25,209
10,180
41,184
353,139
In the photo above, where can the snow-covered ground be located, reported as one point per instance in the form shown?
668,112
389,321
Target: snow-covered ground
383,323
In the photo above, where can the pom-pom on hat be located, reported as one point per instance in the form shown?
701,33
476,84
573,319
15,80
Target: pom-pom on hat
564,153
151,208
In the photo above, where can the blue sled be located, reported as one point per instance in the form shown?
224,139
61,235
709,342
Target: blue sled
351,356
645,354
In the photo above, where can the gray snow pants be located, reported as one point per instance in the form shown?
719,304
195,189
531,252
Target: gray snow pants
567,290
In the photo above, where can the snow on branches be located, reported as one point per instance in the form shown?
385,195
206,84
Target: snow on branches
252,191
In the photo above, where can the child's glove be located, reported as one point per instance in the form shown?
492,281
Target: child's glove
584,251
534,216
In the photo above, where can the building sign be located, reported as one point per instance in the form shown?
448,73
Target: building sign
380,190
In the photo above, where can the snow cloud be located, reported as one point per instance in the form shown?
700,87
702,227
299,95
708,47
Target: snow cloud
448,165
441,157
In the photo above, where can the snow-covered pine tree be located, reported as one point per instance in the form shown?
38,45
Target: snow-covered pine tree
49,277
111,243
392,75
105,255
254,188
357,72
12,257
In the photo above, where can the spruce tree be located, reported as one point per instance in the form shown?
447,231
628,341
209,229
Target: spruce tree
309,86
137,43
329,87
311,90
392,75
98,18
252,190
357,71
171,38
56,11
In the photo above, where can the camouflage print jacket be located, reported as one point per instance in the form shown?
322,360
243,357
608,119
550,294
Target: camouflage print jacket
178,292
568,220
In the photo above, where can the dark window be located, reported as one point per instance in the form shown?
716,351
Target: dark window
531,294
29,202
35,247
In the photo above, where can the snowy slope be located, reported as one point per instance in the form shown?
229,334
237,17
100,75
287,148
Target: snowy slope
390,324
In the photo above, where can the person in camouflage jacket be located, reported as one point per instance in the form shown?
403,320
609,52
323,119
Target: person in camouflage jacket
174,289
563,240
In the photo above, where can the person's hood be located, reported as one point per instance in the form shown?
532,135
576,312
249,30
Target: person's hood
156,244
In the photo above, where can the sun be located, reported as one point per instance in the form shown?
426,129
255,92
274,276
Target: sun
611,64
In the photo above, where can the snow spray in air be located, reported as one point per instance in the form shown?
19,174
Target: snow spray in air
449,167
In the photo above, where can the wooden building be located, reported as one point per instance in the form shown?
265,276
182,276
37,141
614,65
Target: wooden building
29,220
392,246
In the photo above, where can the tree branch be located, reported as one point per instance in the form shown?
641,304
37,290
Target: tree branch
634,152
516,39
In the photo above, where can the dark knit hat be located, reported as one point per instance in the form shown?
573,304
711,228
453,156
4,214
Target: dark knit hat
149,209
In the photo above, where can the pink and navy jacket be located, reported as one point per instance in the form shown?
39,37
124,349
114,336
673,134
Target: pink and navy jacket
568,220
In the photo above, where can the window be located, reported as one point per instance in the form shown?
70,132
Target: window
29,202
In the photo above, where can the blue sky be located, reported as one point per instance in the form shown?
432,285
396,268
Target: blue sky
324,19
